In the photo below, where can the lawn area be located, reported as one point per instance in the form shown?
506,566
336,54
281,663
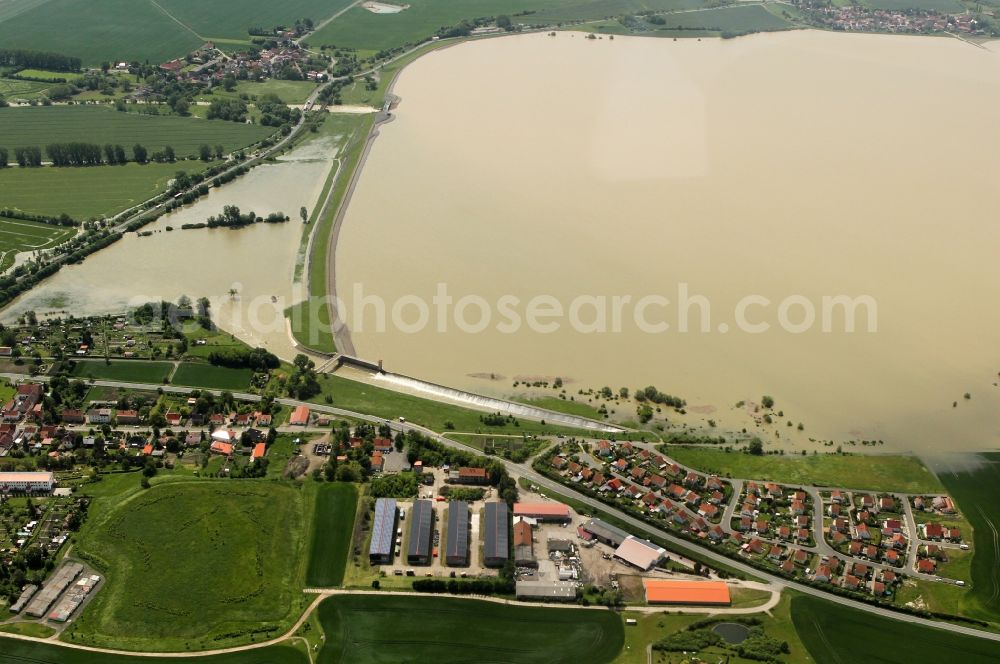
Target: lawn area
12,89
561,406
98,30
194,565
278,455
20,652
19,235
653,627
211,376
365,629
333,524
310,322
977,492
290,92
389,404
832,633
85,193
38,630
135,371
41,125
852,471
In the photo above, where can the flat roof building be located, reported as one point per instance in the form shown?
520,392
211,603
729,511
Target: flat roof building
524,550
549,591
457,548
496,544
640,553
62,577
26,482
418,550
550,511
22,600
605,532
383,530
663,591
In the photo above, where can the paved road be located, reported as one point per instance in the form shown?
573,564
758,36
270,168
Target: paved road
518,470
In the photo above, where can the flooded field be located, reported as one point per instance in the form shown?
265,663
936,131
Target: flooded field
785,167
257,262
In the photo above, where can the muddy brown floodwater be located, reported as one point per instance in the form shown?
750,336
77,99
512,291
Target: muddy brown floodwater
791,164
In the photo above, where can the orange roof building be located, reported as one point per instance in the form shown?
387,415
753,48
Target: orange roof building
226,449
300,417
550,511
259,450
663,591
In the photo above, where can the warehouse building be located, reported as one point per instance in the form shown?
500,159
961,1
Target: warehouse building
64,576
74,597
418,550
457,548
605,532
640,553
22,600
703,593
548,591
496,547
383,530
550,511
524,550
26,482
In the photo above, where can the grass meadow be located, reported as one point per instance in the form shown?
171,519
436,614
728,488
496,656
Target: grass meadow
834,634
333,525
86,193
207,375
852,471
42,125
977,493
134,371
12,89
19,235
215,20
194,565
365,629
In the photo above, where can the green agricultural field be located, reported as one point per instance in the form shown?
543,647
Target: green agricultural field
134,371
99,124
214,20
194,565
98,30
977,492
363,629
207,375
19,235
835,634
333,525
290,92
49,75
86,193
748,18
852,471
22,652
362,29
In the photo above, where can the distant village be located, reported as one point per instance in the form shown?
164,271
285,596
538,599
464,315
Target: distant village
858,18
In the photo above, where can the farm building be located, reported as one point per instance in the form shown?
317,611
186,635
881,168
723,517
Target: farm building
383,530
640,553
605,532
22,600
62,577
27,482
457,551
524,551
468,475
662,591
550,511
550,591
418,551
300,417
496,547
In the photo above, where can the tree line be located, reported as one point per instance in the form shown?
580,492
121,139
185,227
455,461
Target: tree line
78,153
18,57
